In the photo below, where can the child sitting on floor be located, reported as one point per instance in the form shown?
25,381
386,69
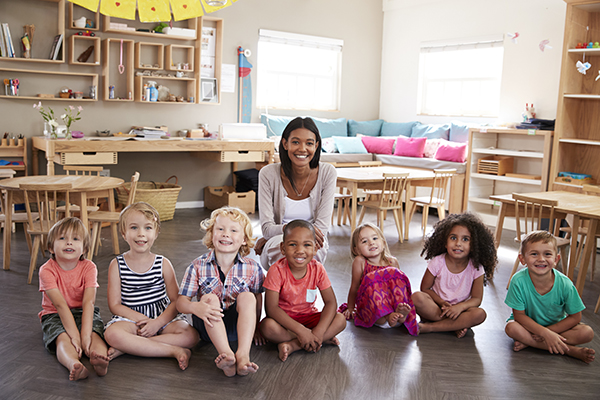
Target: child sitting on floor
380,293
462,258
546,306
228,286
292,321
71,323
142,295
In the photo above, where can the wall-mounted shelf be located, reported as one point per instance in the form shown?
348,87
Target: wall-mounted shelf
149,54
179,55
192,24
190,88
75,50
111,49
82,12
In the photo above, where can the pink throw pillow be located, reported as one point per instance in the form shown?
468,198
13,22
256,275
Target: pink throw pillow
377,145
410,147
431,147
452,152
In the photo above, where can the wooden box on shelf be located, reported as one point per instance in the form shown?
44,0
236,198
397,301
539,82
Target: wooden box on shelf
495,165
83,12
14,148
123,50
178,56
143,60
86,42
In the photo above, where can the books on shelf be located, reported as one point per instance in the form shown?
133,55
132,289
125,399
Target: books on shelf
7,47
58,39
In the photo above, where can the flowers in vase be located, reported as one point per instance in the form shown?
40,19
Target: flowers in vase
48,116
69,118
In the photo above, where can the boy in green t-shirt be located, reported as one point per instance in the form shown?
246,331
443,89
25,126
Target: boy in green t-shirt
546,306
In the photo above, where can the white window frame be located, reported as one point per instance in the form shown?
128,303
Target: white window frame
304,73
471,88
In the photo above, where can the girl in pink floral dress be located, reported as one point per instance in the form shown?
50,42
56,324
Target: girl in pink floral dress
380,293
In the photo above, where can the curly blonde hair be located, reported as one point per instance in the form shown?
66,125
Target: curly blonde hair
149,212
235,214
65,225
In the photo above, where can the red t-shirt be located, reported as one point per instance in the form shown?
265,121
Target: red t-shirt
297,296
71,284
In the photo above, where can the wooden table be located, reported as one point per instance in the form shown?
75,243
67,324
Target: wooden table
82,187
372,178
580,206
221,150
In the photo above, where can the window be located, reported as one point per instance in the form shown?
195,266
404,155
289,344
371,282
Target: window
461,79
298,71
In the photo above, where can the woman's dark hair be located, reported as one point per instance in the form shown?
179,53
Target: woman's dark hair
483,250
298,123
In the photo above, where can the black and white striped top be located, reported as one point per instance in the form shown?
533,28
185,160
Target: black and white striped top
144,292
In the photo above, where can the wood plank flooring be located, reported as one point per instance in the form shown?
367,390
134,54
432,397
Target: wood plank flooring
369,364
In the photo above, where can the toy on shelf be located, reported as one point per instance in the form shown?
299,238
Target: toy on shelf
86,33
590,45
528,113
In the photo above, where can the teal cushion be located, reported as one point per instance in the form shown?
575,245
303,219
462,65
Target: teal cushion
431,131
368,128
349,145
331,127
275,124
397,128
459,132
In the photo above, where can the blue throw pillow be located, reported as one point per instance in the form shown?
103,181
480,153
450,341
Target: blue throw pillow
275,124
431,131
349,145
331,127
459,132
368,128
398,128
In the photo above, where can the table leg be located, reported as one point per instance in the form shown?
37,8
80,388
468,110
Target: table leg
409,193
354,190
572,262
7,206
590,245
500,224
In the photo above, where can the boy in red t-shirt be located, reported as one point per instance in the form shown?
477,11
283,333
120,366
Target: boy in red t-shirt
291,286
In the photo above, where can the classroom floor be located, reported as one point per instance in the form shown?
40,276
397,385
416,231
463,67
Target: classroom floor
370,363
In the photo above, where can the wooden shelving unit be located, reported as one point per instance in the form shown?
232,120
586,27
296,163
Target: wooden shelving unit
75,50
141,55
14,149
190,88
218,24
178,54
530,150
82,12
577,138
191,24
123,83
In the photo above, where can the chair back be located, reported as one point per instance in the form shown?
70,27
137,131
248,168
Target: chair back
440,185
392,190
134,180
83,170
367,164
45,197
529,213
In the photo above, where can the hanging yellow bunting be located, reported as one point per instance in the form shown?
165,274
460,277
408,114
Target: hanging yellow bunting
186,9
154,10
210,9
89,4
118,8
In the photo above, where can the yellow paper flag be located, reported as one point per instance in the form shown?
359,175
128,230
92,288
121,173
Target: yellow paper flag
89,4
154,10
210,9
118,8
186,9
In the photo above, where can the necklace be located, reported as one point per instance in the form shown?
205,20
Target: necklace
299,193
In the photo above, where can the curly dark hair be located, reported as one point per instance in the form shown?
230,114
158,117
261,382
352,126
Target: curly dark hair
483,250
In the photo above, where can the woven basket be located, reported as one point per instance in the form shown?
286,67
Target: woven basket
162,196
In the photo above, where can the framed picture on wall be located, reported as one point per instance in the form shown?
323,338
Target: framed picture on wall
208,90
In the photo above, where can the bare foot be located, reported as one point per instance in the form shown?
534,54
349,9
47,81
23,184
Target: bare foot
183,358
399,316
100,363
461,333
226,363
78,371
334,341
114,353
287,348
424,327
585,354
519,346
245,366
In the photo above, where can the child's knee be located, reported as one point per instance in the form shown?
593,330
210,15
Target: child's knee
512,328
246,300
340,322
268,326
480,315
587,333
419,298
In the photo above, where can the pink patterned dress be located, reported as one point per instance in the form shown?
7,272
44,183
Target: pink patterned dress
381,289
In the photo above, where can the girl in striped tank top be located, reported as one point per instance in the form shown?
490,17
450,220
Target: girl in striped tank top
142,293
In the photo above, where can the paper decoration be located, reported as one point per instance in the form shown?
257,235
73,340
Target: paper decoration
513,36
154,10
210,9
544,45
186,9
583,67
89,4
118,8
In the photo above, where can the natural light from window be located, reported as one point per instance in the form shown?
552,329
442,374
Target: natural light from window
461,80
298,72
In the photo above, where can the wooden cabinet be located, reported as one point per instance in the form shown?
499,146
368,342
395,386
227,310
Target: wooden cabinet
526,151
577,139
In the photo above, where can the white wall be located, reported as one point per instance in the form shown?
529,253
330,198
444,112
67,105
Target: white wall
529,75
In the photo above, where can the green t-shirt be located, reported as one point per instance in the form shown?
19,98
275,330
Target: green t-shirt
546,310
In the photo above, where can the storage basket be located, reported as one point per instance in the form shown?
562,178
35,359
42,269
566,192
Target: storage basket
162,196
495,165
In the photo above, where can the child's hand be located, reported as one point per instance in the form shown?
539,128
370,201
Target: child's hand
308,341
451,311
258,246
86,344
259,340
556,343
207,311
148,327
349,314
75,341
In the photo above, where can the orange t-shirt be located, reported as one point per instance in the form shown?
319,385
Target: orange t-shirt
71,284
297,296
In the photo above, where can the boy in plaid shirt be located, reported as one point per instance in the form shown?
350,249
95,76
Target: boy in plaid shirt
229,289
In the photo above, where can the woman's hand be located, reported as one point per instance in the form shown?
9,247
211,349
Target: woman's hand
259,245
319,237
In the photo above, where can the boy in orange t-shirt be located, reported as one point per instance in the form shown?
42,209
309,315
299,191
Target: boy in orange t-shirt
291,286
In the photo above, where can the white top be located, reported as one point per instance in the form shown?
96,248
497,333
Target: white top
297,209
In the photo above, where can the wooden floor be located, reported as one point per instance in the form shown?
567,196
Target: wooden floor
370,363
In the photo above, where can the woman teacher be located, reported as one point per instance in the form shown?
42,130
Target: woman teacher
299,187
